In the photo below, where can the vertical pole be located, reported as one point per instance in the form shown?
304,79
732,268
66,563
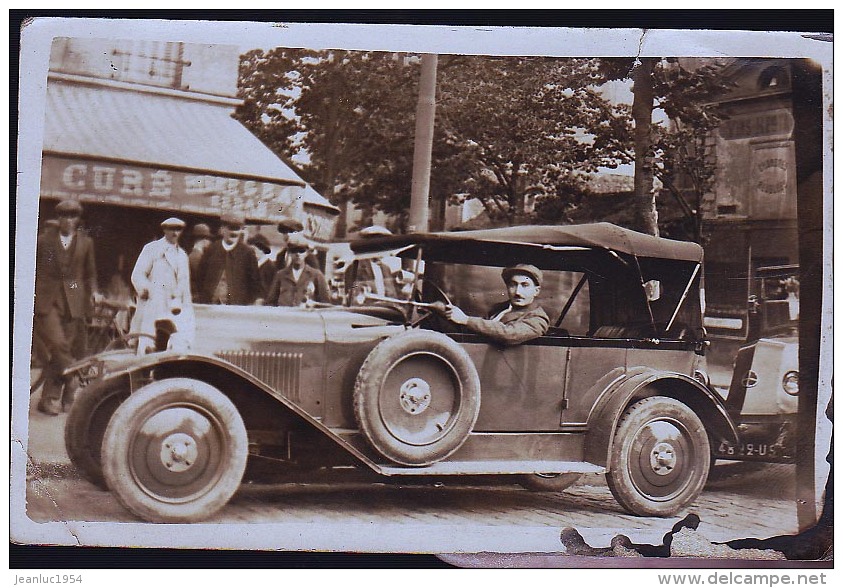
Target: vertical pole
423,150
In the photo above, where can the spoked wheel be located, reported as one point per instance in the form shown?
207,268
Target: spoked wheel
175,451
660,458
548,482
417,397
86,424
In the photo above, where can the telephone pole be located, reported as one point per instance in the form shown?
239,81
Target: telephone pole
423,150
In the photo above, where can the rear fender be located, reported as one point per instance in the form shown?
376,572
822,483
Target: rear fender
641,383
261,407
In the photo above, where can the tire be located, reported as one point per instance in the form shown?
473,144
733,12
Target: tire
417,397
548,482
175,451
86,423
660,457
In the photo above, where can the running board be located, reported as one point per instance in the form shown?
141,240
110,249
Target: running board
454,468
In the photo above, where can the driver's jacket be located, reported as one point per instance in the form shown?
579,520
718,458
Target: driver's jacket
514,327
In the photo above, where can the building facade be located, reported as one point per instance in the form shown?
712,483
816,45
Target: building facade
749,220
138,131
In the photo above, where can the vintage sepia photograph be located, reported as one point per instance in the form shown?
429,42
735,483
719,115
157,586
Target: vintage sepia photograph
420,289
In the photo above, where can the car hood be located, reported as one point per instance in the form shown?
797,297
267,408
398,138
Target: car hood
230,328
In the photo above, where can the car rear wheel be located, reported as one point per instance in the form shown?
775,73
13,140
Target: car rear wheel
660,457
548,482
175,451
86,423
417,397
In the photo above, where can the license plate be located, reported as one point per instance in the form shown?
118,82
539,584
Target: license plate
746,450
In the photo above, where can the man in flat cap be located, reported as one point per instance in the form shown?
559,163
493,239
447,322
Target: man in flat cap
161,279
201,239
65,286
298,284
517,321
228,271
288,227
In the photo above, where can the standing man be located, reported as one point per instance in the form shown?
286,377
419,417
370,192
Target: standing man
65,284
202,238
518,321
266,264
228,271
162,281
298,284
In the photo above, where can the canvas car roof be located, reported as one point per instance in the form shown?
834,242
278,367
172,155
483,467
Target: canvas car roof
593,236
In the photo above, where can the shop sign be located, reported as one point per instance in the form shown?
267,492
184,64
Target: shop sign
319,224
751,126
146,187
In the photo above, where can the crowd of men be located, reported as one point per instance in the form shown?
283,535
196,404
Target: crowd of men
229,269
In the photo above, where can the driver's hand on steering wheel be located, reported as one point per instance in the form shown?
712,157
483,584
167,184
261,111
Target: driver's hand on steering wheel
455,314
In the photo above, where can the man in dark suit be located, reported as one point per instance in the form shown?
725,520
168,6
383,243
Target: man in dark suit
266,265
298,284
518,321
65,284
201,240
228,270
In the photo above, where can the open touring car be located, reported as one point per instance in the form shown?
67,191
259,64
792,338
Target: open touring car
386,384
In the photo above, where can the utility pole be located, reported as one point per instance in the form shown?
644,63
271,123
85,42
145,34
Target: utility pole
423,150
642,115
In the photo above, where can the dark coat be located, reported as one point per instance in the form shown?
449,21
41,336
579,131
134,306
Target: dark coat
244,282
516,326
71,274
284,291
267,271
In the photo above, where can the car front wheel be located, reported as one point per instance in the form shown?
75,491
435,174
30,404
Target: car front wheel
660,457
86,424
175,451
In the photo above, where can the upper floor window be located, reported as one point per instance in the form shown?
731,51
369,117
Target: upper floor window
157,63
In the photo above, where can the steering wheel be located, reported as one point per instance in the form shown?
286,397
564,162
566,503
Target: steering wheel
423,313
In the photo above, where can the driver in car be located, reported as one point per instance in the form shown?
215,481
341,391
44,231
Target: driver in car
517,321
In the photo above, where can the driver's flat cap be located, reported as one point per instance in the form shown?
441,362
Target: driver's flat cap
524,269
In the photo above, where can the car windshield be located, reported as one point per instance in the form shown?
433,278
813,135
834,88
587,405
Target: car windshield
585,293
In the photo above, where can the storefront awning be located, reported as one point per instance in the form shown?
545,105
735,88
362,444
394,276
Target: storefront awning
101,122
128,146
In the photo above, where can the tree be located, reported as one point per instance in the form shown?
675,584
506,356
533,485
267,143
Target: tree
678,154
523,127
339,109
507,129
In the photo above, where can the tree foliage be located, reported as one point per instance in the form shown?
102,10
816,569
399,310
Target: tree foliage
678,154
507,129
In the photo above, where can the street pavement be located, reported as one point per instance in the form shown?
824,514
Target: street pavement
740,500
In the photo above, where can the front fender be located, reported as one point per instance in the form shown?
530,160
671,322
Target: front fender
222,375
642,383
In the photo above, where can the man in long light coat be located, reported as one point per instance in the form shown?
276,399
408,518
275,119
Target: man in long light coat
161,279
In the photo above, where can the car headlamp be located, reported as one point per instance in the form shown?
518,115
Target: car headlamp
790,382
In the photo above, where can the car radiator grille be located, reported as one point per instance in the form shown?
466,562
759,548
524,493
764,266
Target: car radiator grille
281,371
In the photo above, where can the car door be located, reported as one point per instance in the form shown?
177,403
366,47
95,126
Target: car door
523,386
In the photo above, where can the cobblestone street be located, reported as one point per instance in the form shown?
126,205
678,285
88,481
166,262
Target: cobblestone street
740,500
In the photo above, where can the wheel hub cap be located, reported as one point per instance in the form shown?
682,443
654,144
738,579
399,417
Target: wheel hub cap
178,452
415,396
663,458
